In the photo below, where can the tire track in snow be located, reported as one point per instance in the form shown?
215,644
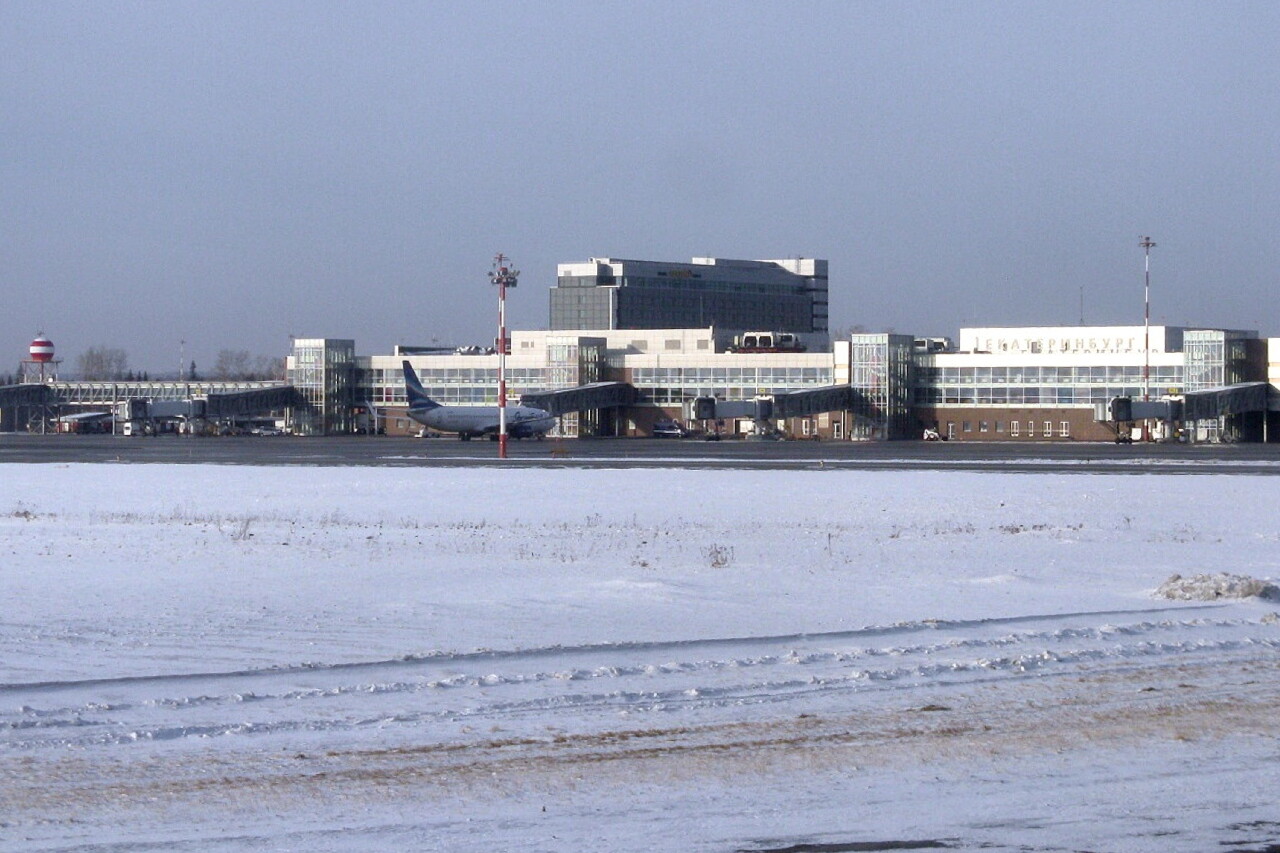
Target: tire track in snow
1032,716
591,683
491,654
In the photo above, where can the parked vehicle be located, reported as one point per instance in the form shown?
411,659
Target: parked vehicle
669,429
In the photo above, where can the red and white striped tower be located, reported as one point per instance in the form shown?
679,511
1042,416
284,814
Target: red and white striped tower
503,276
41,349
40,364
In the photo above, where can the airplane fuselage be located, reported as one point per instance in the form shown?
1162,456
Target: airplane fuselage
468,421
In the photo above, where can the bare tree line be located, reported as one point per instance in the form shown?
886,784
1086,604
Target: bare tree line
238,364
111,364
102,362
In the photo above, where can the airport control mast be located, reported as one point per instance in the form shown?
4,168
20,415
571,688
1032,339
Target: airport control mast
504,277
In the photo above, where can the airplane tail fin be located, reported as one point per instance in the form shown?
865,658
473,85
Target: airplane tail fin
418,398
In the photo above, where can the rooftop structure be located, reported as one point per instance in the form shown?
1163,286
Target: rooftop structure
731,295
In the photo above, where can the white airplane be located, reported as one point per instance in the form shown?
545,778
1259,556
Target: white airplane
469,421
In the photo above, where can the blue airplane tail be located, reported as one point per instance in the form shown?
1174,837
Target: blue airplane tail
418,398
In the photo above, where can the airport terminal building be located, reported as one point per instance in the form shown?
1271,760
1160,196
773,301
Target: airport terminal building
663,368
1051,382
632,343
741,348
1019,384
1029,383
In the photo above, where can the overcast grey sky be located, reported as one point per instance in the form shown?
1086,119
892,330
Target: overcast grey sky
230,174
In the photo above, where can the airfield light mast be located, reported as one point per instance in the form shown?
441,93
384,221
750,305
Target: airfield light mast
1147,245
503,276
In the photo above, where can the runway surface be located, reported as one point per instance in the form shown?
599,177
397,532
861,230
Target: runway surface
652,453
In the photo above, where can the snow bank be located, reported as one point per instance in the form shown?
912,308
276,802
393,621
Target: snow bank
1213,587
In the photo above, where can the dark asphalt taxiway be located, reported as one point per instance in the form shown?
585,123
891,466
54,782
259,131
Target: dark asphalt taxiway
652,453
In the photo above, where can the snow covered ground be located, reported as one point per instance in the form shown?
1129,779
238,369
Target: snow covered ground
232,658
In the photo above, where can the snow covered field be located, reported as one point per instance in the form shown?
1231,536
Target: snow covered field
232,658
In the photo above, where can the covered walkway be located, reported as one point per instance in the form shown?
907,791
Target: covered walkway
1229,413
584,398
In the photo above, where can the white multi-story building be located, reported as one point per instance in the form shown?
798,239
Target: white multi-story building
1024,383
668,368
1048,382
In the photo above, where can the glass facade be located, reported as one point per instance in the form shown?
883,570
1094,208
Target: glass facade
1039,385
745,295
574,361
668,307
1214,359
577,307
450,386
671,386
882,374
324,373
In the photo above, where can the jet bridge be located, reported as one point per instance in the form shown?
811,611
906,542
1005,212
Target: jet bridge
813,401
1229,413
1244,398
1234,412
764,410
788,404
257,401
27,394
584,398
585,409
214,406
30,403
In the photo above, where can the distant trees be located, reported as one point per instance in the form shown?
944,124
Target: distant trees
231,364
102,363
237,364
111,364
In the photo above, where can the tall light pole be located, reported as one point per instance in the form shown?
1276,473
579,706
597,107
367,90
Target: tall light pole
1147,245
504,277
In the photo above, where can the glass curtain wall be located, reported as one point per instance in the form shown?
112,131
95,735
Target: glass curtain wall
1037,385
1214,359
574,361
324,374
669,386
881,373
